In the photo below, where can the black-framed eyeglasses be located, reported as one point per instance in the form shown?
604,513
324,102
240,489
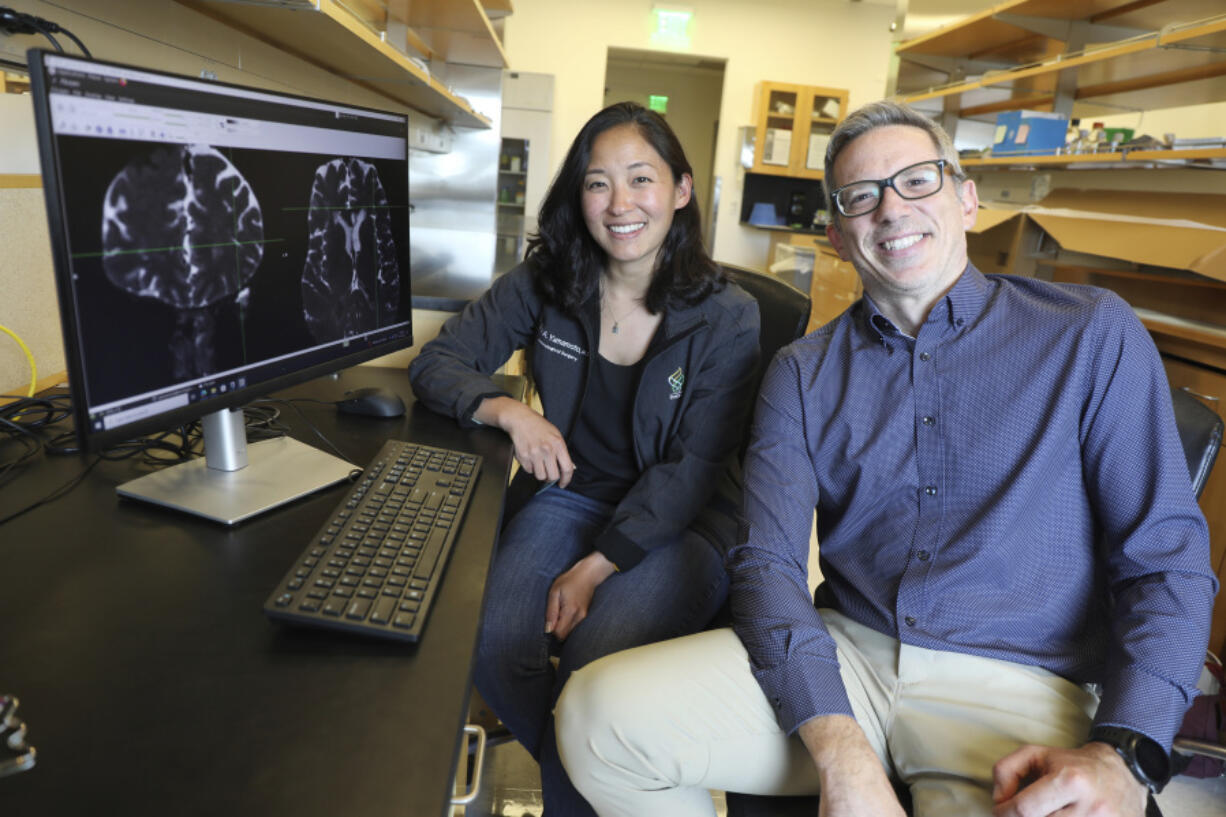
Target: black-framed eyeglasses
916,181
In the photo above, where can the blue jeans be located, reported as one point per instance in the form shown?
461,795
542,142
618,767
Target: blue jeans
674,591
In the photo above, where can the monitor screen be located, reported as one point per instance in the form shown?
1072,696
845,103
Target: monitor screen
213,242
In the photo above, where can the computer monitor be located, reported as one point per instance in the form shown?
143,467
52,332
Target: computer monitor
213,243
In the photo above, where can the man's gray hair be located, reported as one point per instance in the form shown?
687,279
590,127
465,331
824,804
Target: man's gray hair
879,115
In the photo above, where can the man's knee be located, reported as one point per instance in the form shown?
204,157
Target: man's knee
606,724
591,707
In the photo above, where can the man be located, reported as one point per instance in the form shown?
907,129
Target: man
1017,593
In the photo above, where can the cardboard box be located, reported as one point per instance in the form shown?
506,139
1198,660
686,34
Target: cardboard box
1032,133
1180,231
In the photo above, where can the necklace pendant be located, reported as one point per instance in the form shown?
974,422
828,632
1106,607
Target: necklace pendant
615,329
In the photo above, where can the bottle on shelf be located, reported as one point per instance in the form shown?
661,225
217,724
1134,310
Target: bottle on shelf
1098,138
1073,136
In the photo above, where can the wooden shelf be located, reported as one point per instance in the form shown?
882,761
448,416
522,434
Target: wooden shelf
1196,331
456,30
497,8
332,36
1130,156
1179,58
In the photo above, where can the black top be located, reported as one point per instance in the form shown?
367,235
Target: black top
690,407
602,442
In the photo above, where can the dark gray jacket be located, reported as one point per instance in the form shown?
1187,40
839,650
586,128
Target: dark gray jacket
690,408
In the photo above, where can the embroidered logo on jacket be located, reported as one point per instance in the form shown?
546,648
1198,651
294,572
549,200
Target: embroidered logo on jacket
675,381
552,343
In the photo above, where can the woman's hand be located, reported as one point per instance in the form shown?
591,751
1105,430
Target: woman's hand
571,593
539,446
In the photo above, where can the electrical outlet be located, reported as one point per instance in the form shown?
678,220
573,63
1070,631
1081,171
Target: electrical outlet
430,136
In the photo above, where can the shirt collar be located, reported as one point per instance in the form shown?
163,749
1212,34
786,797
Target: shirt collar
960,306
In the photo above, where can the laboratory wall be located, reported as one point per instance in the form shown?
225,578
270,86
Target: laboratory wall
813,42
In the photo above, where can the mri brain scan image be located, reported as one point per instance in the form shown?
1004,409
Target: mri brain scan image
181,225
351,279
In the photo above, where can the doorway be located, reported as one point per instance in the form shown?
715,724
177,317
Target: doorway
689,88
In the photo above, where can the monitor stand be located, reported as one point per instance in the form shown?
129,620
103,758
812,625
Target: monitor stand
236,480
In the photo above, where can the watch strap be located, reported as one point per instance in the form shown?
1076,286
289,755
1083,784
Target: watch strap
1145,758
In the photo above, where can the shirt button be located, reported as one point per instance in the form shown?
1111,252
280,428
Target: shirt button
931,490
925,356
922,555
910,620
929,420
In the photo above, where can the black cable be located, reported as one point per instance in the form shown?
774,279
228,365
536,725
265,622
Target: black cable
36,412
292,404
46,34
16,22
61,491
75,39
167,448
31,448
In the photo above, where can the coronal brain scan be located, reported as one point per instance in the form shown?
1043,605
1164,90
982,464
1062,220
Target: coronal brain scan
181,225
351,278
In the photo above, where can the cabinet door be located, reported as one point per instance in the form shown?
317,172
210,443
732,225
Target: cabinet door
793,124
1212,384
777,139
824,110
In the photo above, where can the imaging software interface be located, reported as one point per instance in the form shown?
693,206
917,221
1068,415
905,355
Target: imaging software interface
220,237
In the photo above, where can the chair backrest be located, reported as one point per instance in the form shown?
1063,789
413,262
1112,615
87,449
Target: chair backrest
784,311
1200,431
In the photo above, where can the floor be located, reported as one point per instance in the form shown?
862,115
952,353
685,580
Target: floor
510,787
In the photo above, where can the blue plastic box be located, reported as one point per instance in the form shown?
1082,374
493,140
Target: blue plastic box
1031,133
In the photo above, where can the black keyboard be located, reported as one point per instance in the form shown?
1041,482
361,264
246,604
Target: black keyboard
375,566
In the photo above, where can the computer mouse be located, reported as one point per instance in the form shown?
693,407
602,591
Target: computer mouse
371,402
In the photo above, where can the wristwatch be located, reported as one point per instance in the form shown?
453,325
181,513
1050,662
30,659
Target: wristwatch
1143,756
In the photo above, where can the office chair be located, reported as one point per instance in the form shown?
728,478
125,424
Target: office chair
1200,432
784,312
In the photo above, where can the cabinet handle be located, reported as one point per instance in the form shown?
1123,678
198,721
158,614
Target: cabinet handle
478,763
1207,397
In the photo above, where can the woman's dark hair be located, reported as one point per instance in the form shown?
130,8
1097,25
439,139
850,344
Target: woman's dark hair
569,261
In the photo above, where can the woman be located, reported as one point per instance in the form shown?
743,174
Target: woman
642,354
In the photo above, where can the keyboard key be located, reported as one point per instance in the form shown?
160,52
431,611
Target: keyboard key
384,608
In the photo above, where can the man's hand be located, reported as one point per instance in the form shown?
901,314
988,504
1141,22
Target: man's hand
571,593
539,445
853,781
1092,780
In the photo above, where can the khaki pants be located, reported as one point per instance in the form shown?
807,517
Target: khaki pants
648,731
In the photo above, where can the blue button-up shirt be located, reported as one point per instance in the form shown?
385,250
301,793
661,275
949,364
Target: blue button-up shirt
1009,483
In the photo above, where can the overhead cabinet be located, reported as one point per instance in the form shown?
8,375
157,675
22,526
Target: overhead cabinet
793,123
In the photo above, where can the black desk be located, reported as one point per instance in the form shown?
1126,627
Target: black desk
152,684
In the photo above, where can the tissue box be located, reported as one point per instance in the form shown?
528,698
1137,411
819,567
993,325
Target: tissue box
1029,133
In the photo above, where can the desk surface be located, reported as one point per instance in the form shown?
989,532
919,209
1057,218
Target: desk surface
152,684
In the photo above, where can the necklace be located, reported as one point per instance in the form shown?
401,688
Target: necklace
616,320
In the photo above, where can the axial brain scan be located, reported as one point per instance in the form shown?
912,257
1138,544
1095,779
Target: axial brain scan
181,225
351,279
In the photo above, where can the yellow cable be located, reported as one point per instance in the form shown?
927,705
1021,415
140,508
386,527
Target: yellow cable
29,357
